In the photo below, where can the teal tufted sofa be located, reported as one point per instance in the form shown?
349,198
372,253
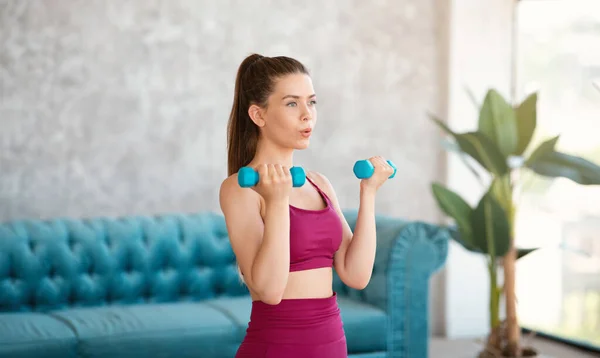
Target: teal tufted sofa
167,286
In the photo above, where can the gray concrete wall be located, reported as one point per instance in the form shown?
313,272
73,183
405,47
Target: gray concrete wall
112,108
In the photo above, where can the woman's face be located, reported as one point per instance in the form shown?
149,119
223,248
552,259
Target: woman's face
291,113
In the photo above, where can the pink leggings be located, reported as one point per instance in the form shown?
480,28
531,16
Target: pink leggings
295,328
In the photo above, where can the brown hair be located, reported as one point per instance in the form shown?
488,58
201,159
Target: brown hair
254,83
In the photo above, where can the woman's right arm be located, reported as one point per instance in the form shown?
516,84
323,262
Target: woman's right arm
261,245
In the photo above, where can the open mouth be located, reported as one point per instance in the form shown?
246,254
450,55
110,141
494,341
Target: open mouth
306,132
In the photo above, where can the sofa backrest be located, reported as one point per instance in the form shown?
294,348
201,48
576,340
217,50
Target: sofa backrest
64,262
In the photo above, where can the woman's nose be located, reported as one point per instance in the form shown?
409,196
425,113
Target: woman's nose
307,115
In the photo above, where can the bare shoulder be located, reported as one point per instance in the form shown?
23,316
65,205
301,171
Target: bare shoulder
229,185
322,182
232,196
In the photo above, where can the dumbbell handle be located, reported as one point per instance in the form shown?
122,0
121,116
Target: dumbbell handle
363,169
248,177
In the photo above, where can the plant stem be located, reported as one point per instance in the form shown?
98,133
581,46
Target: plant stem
494,304
512,325
494,339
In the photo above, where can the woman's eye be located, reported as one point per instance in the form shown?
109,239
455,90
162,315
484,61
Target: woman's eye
291,104
313,102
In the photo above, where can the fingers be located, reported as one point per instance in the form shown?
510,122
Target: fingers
274,182
280,173
381,165
263,171
280,170
287,174
273,173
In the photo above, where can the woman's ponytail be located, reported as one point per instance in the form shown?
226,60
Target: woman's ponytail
242,133
254,84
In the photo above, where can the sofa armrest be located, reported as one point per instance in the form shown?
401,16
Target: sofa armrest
408,254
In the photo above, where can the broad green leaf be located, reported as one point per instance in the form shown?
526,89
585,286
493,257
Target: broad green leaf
557,164
484,151
491,229
479,147
497,121
458,209
523,252
544,148
452,146
502,191
442,125
526,114
462,239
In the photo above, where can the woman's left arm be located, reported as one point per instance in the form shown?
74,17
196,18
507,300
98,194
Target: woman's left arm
353,262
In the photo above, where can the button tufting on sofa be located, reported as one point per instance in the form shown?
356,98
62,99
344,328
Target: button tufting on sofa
168,286
52,273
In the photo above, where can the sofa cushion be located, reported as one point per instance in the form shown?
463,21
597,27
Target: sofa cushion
364,324
33,335
152,330
236,308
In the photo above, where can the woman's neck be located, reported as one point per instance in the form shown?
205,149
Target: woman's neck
269,153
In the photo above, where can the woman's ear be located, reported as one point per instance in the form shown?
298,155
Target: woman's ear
256,114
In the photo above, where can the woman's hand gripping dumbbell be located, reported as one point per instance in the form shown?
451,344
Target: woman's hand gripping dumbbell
374,171
271,180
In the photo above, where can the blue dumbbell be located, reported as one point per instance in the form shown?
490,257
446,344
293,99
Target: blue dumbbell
248,177
363,169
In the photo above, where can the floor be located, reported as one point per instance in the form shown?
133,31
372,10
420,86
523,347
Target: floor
469,348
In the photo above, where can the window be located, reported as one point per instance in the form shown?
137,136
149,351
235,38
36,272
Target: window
558,55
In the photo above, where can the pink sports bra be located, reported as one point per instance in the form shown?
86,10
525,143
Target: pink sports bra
315,235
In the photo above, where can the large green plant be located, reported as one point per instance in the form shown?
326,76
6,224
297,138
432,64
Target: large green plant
501,147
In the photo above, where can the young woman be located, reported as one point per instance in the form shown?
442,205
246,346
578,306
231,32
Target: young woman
287,240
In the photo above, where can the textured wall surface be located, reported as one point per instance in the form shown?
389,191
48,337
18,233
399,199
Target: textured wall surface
118,107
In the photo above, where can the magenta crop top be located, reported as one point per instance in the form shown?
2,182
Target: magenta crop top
315,235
